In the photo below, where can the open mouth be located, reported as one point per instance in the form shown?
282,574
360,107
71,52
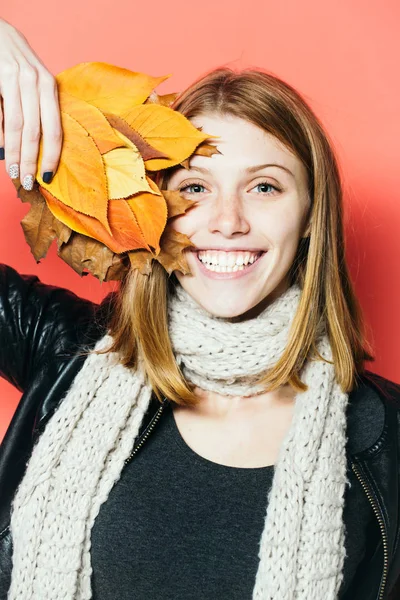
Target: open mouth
228,262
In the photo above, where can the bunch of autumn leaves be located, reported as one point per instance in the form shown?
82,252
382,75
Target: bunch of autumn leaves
102,206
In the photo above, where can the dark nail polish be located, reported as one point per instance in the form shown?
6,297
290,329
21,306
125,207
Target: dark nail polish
1,153
47,177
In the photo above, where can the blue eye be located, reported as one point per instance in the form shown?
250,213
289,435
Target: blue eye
199,185
191,185
267,184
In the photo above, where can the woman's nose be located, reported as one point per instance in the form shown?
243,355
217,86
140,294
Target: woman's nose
227,217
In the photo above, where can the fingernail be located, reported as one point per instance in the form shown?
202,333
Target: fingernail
1,153
47,177
13,171
27,183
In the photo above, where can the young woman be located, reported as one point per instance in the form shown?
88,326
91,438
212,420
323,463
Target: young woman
224,440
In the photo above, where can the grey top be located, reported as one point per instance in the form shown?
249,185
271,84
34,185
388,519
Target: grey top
200,522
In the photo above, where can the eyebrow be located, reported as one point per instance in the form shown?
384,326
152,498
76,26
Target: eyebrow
248,170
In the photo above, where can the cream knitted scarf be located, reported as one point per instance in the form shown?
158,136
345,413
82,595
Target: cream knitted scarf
81,453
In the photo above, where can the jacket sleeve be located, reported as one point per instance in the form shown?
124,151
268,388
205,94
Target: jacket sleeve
35,319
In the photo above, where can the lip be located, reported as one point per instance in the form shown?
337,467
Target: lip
232,275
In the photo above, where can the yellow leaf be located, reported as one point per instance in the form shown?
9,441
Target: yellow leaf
125,173
112,89
80,181
131,138
167,131
93,120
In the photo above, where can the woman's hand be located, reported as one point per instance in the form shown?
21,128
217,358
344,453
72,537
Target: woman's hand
30,107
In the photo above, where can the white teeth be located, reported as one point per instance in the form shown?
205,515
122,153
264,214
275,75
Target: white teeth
227,262
219,269
231,260
227,259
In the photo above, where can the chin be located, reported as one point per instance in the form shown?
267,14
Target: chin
218,307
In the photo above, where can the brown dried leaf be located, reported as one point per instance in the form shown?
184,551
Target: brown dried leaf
141,260
140,143
205,149
41,227
83,252
176,203
118,269
185,163
172,255
23,194
80,252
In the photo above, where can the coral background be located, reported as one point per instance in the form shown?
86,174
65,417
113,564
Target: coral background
342,56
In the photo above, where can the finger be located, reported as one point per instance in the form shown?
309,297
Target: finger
51,126
31,131
13,119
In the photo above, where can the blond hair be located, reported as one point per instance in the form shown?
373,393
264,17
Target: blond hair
139,322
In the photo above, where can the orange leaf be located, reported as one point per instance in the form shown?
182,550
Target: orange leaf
151,214
80,181
166,130
112,89
93,120
125,227
133,136
126,234
163,100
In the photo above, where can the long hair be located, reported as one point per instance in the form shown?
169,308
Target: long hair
139,324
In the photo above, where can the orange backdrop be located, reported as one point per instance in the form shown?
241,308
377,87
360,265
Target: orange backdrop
343,56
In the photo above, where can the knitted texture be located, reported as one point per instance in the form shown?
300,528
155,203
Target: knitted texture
81,453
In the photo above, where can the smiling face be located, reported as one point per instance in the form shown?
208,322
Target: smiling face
248,219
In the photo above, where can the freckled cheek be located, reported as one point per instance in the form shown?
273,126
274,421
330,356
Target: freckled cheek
187,223
278,227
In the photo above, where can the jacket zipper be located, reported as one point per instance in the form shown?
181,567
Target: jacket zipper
140,443
147,431
382,527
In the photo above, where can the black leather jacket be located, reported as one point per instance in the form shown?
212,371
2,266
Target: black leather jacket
43,330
